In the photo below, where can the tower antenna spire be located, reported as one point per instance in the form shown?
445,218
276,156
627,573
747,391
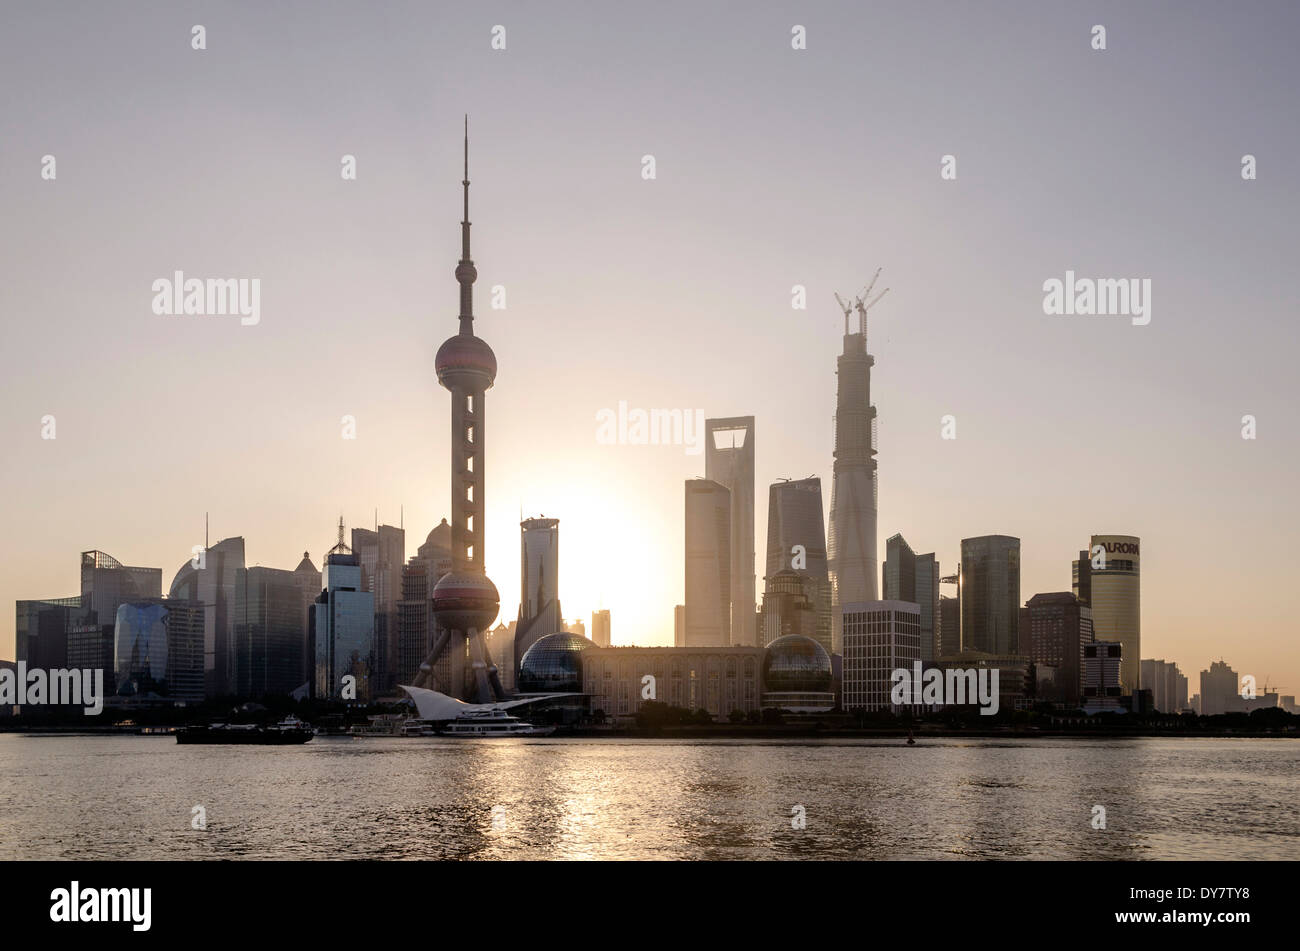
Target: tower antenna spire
465,270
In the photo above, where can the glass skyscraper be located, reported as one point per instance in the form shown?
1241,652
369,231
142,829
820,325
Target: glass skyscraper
214,580
158,650
343,622
269,632
990,594
794,517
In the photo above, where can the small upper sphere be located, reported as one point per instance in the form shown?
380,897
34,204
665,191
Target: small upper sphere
465,353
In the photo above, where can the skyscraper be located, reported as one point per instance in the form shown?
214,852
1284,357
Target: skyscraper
708,564
309,585
1220,686
1054,630
600,627
949,633
910,577
465,601
212,577
1167,685
106,584
416,625
159,650
269,633
729,461
1081,578
795,518
990,594
382,553
539,582
1116,601
879,638
343,626
854,492
41,631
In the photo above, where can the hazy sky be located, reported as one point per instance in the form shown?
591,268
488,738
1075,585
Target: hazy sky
775,167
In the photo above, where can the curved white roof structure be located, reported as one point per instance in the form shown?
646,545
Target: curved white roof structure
433,705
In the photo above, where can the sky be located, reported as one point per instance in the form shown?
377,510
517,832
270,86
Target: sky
774,167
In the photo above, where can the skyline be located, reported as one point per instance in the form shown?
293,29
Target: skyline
1042,474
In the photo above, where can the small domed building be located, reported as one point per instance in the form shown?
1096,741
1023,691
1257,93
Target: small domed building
797,676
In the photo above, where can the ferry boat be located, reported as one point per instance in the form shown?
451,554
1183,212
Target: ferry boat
290,730
490,723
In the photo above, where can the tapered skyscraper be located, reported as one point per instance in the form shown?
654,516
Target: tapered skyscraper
729,461
465,601
851,549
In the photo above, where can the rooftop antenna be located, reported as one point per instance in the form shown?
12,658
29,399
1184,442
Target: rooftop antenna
205,531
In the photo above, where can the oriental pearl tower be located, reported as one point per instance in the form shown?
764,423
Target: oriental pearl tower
465,601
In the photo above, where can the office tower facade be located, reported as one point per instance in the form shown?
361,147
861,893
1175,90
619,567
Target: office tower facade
1081,578
679,625
717,680
949,633
990,594
729,461
212,577
600,627
795,518
1101,675
343,626
382,553
41,631
417,628
539,582
851,551
906,576
158,651
1167,685
106,584
465,601
708,564
1220,690
270,631
1115,581
308,578
1054,630
788,607
879,637
501,648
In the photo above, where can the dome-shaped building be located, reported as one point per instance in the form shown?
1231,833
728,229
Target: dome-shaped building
553,664
797,676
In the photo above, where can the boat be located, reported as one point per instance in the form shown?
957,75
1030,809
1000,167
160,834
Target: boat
491,723
415,727
288,731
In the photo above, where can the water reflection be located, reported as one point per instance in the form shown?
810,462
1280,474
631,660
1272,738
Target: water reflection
131,797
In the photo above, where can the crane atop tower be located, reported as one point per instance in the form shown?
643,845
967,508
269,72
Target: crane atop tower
863,305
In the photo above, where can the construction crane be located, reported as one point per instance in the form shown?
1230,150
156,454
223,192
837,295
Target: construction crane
847,308
863,305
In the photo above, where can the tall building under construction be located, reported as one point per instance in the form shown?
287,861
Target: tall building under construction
852,544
